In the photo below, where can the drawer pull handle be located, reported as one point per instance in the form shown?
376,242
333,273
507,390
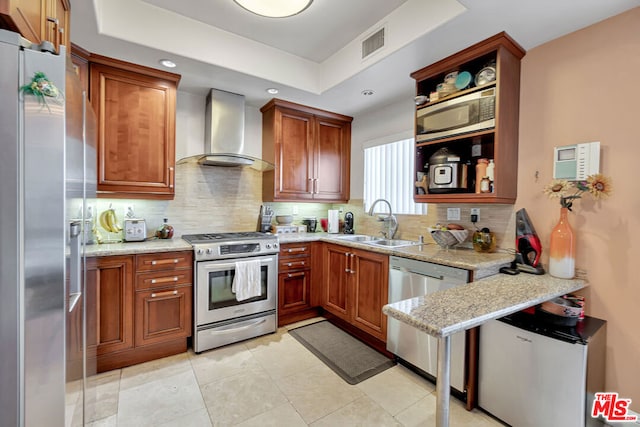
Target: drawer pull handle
164,294
290,264
296,250
165,261
165,279
296,274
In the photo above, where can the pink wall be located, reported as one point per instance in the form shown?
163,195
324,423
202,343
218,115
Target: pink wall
579,88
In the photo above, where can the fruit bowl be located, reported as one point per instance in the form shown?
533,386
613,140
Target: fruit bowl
448,238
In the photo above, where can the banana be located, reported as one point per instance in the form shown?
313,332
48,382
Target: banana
109,221
113,221
103,221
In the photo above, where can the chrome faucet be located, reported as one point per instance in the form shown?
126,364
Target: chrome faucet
390,221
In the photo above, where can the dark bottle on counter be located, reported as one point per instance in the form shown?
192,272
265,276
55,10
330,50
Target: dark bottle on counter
165,231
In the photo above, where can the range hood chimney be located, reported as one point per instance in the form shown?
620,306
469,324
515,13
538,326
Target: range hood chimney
224,133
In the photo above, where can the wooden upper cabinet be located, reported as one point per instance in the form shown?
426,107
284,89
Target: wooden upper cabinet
136,110
499,142
38,20
57,22
310,149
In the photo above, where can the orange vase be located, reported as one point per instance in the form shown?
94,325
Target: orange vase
562,249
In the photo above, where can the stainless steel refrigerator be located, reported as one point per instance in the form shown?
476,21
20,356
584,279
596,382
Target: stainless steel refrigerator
47,179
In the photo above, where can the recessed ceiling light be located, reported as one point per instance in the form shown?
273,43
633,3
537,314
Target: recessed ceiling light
168,63
272,90
367,92
274,8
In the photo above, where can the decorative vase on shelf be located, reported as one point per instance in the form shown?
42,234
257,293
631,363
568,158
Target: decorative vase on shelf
562,248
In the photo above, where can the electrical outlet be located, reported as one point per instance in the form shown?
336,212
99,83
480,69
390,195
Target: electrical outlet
476,212
453,214
294,210
129,212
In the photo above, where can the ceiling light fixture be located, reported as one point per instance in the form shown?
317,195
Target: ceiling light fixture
367,92
168,63
272,90
274,8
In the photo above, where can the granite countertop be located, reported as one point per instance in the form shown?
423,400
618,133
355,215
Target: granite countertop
446,312
482,264
130,248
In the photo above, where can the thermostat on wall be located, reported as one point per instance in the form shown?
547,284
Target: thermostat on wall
576,162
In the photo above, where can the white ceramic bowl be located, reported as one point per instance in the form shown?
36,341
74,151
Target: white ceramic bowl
284,219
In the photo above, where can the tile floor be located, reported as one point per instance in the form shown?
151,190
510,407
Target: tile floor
268,381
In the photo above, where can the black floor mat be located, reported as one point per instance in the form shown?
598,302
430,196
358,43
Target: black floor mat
349,357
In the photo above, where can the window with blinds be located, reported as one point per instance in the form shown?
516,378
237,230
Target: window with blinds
388,174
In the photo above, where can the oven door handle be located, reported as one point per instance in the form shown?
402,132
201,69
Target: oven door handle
230,329
222,266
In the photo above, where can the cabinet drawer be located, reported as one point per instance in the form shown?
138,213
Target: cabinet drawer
163,279
295,249
164,261
291,264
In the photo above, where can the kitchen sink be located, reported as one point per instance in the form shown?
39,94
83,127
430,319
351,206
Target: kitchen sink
392,243
359,238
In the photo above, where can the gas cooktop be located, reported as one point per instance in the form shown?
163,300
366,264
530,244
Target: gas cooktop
226,237
213,246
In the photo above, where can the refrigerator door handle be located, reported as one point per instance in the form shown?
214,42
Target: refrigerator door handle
75,273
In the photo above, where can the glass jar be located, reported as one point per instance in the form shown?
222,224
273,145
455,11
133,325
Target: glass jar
165,231
484,241
481,172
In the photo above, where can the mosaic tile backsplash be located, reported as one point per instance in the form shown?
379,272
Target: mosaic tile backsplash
220,199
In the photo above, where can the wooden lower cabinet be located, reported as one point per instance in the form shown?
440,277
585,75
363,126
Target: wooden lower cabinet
297,298
114,299
163,314
356,287
142,307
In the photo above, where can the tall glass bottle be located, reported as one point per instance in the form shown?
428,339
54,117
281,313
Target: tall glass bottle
562,248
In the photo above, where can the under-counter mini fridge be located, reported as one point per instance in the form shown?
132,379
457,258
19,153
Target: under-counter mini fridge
532,374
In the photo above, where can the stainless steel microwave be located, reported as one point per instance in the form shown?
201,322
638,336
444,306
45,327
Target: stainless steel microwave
464,114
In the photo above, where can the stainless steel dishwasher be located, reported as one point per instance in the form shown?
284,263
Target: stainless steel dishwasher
410,278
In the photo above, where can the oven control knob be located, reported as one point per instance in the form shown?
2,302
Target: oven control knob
199,251
268,246
275,246
209,250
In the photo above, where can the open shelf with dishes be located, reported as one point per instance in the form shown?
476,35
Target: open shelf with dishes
466,110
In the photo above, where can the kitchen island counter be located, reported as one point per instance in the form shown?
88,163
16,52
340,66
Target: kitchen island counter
446,312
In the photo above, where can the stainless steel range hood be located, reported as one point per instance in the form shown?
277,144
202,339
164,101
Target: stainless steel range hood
224,143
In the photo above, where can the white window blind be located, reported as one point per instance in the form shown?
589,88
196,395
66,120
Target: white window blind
388,174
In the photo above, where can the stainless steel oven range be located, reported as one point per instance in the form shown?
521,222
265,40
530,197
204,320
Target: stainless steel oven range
219,318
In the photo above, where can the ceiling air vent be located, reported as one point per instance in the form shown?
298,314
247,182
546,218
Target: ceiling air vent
373,43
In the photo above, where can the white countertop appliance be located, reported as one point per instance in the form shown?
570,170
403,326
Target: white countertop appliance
135,230
532,373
